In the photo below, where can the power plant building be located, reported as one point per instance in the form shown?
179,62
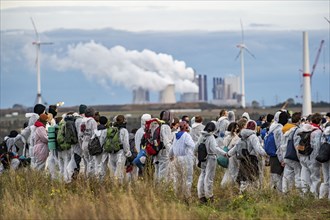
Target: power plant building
141,96
167,95
226,91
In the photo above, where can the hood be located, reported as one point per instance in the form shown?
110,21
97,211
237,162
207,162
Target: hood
307,127
277,116
205,133
33,117
287,127
246,115
326,131
144,118
246,132
195,125
179,134
39,124
273,126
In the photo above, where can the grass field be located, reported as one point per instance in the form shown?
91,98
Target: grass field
27,194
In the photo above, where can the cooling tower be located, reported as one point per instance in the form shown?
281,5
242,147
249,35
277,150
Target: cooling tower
189,97
140,96
167,95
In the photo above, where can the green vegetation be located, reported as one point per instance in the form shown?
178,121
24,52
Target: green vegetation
26,194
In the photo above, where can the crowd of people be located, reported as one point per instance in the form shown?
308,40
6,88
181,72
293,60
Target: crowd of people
247,146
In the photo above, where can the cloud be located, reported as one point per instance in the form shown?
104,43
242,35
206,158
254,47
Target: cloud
129,68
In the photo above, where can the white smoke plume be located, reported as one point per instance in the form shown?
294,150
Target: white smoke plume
129,68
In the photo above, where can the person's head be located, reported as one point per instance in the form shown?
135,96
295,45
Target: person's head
223,112
231,116
43,118
120,120
269,118
296,117
210,127
167,117
53,110
184,126
103,120
13,134
39,109
144,118
82,109
252,125
176,122
89,112
232,128
316,118
185,118
246,116
327,116
283,118
242,123
198,119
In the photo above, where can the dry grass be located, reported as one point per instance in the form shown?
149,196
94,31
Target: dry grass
27,194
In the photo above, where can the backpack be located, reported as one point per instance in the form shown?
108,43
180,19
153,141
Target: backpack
269,143
305,147
112,142
94,146
291,152
201,153
67,133
324,153
151,139
242,152
52,137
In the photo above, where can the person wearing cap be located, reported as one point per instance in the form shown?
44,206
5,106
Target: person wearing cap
40,150
208,168
182,156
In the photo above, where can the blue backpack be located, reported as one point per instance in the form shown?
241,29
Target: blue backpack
291,152
269,143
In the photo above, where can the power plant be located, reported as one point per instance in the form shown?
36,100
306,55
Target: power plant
226,91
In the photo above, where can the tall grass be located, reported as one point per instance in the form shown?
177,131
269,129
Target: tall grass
27,194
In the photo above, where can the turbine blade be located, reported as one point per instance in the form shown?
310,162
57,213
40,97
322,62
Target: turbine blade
250,53
35,29
239,53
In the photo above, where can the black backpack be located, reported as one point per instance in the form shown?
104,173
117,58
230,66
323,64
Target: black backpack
201,153
305,147
94,146
324,153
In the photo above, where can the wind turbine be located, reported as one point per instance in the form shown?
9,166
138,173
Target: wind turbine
38,43
242,47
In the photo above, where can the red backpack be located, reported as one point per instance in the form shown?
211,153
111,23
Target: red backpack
151,138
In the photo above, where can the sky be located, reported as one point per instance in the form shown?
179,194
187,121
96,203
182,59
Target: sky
153,17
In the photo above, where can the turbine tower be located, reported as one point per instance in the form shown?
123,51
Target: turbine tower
242,47
38,43
307,100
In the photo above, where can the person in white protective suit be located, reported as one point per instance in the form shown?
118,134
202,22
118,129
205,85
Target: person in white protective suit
325,185
182,156
208,168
